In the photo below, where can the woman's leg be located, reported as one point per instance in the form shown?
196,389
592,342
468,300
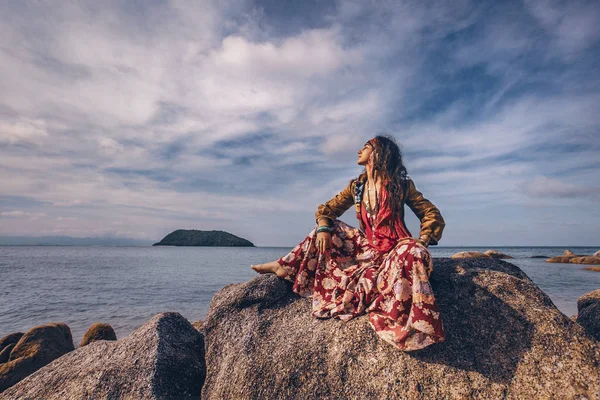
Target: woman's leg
404,312
335,279
270,267
287,266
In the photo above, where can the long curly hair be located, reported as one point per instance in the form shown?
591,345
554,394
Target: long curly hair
388,163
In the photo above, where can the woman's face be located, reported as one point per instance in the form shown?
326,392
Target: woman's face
364,154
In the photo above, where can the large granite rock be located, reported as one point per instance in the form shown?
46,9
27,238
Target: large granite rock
504,339
596,254
588,313
98,331
164,358
35,349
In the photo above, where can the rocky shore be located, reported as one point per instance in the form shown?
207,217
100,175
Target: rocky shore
569,257
505,339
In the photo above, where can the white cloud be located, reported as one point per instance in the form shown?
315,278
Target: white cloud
22,130
110,114
542,186
573,25
21,214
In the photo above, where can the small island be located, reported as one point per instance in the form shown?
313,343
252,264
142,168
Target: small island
193,237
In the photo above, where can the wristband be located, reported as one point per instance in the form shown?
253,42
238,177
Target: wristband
425,240
323,229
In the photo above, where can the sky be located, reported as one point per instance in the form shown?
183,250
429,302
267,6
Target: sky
135,118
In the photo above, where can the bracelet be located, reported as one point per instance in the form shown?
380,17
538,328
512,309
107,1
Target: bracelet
425,240
323,229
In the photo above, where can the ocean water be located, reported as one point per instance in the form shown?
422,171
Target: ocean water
126,286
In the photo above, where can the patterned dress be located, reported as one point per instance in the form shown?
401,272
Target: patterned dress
382,272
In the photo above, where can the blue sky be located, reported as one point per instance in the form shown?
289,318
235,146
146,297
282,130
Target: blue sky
135,118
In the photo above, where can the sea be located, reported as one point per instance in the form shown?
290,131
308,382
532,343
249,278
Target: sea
126,286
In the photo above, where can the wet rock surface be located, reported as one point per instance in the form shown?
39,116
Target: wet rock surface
504,339
164,358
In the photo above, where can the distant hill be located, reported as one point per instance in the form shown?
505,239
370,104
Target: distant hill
183,237
69,241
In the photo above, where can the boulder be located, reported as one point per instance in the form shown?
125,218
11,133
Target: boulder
37,347
588,312
595,269
198,325
496,254
98,331
569,253
470,254
12,338
596,254
5,353
164,358
590,260
504,339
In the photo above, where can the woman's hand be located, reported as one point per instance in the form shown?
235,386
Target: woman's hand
323,241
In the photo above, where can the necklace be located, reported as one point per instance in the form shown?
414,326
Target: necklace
371,211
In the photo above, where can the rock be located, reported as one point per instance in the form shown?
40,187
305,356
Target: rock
588,312
5,353
590,260
193,237
559,259
12,338
198,325
496,254
596,254
98,331
595,269
569,253
37,347
164,358
586,260
470,254
504,339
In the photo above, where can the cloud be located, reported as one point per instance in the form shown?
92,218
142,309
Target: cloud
574,26
547,187
21,214
235,114
22,130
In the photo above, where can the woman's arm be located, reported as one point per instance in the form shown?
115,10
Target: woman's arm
432,223
334,208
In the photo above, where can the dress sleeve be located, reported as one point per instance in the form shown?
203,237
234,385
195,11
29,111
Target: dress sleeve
432,223
335,207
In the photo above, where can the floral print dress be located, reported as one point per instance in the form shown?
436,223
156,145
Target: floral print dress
383,273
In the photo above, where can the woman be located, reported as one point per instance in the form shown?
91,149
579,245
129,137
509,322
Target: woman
379,270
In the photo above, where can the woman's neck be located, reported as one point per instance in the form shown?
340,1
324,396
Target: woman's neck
373,176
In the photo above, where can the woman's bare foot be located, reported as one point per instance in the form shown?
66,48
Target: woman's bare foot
272,267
